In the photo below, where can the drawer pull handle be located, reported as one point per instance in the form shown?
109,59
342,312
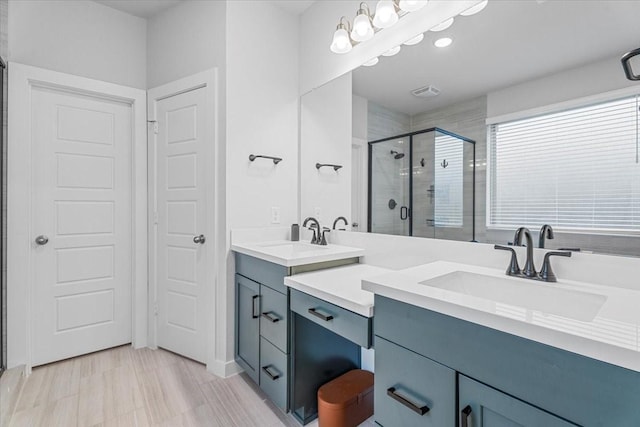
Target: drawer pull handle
253,307
391,392
465,417
268,372
320,315
271,318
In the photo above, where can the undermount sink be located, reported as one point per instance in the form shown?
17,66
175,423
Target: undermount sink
294,247
544,297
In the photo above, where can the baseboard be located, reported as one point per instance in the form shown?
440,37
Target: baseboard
224,369
11,384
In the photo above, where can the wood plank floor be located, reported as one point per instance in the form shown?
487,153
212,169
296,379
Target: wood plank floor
123,387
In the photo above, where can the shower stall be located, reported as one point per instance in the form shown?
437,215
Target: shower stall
423,184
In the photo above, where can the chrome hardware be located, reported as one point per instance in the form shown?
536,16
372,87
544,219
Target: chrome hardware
199,239
42,240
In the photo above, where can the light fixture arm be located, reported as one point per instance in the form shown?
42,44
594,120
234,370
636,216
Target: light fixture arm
342,25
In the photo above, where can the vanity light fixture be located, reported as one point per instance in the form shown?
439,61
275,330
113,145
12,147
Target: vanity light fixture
362,28
411,5
443,42
386,14
371,62
475,9
443,25
415,40
392,51
341,42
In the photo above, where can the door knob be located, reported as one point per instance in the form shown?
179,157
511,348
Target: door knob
42,240
199,239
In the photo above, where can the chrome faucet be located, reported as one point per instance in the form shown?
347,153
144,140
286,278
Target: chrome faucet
315,240
529,269
546,232
338,219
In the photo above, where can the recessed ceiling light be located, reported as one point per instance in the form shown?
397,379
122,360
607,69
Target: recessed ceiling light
392,51
371,62
443,25
475,9
443,42
415,40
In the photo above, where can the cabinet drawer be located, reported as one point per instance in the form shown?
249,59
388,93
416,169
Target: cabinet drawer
273,317
343,322
273,373
411,390
482,406
262,271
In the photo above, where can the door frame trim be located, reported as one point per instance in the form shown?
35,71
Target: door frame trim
209,81
22,78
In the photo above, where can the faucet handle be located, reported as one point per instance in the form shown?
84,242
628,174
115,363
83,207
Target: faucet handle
315,239
514,268
546,273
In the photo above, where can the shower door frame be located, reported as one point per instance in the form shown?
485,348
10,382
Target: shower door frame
410,135
3,230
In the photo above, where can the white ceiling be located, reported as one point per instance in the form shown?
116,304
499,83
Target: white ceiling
148,8
141,8
507,43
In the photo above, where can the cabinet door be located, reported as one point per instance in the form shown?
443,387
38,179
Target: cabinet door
248,325
482,406
411,390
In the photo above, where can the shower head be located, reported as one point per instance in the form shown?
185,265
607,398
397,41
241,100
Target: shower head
397,155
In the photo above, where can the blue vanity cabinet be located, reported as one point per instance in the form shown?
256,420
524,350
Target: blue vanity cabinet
482,406
262,325
504,379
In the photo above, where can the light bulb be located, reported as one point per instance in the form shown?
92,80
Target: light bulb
415,40
443,42
392,51
371,62
362,29
411,5
443,25
386,14
341,42
475,9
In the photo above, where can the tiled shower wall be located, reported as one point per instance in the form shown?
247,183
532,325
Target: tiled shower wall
4,47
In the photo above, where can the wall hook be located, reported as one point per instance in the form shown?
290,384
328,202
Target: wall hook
444,163
335,167
276,160
422,162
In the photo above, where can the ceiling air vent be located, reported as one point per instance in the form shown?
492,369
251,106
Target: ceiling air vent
426,92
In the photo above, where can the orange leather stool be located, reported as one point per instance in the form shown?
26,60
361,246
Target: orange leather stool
347,400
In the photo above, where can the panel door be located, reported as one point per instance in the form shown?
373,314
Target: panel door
82,213
482,406
248,325
182,240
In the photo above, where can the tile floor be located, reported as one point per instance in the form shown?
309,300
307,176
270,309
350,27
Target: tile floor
123,387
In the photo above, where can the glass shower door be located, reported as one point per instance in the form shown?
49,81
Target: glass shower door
423,188
390,177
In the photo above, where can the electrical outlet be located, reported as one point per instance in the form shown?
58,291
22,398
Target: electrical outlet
316,213
275,215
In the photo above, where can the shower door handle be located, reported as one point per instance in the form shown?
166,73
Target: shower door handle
405,213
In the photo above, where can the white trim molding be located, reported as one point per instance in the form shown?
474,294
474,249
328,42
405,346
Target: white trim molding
22,78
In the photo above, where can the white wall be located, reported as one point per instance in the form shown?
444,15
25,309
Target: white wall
262,118
360,111
325,136
591,79
79,37
184,40
318,65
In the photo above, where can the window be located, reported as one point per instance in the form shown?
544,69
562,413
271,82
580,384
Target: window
577,169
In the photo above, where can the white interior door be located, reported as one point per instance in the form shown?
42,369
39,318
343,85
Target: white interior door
184,231
81,210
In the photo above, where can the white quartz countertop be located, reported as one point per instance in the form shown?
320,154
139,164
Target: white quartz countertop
290,254
340,286
601,322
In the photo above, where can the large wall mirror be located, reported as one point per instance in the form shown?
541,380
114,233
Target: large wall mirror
539,87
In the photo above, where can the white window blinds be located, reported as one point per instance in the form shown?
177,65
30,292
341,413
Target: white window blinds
449,169
577,169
